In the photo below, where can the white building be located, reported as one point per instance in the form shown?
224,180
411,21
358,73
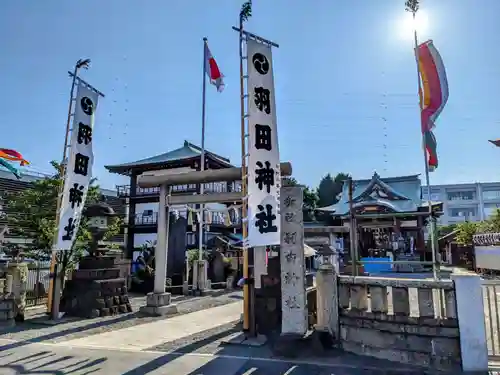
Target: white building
471,202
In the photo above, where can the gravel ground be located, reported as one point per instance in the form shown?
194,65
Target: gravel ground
70,329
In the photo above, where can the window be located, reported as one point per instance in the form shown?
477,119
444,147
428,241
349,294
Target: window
461,196
491,194
435,194
435,197
147,213
465,212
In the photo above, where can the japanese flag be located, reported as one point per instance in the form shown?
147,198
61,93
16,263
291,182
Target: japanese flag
212,70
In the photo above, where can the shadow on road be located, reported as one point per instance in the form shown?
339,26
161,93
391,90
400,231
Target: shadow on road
63,365
29,326
240,359
168,357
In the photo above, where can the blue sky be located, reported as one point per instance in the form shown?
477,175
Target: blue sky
345,81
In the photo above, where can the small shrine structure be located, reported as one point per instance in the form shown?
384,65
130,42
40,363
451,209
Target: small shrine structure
390,217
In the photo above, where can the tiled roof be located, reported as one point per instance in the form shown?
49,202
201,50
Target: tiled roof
187,151
407,188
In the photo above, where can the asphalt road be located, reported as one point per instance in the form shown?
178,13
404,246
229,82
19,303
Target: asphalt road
18,358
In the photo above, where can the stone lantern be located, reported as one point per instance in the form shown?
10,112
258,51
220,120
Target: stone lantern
98,221
99,286
326,254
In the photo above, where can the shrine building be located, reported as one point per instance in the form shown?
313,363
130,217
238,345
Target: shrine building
390,214
142,204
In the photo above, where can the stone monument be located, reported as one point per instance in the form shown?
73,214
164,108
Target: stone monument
96,288
293,283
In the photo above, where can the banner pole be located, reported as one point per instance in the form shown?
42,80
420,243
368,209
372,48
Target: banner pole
427,177
244,202
62,171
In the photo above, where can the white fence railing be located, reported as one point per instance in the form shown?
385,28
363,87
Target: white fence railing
491,289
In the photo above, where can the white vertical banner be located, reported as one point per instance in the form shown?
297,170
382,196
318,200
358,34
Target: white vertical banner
79,167
264,177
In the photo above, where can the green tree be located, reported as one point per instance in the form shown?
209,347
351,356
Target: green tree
465,231
31,213
310,198
328,192
492,223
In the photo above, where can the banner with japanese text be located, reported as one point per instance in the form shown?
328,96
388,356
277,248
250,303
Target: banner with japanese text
264,177
79,167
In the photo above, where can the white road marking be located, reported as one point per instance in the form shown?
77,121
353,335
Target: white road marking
63,345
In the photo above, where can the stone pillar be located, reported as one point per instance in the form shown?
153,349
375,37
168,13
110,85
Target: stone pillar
19,274
200,270
335,257
229,282
471,322
195,275
327,301
293,290
158,302
161,243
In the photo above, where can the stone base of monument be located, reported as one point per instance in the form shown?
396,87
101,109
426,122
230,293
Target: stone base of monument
158,304
313,343
290,345
95,289
323,340
242,339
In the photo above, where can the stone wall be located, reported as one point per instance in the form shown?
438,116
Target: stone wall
407,321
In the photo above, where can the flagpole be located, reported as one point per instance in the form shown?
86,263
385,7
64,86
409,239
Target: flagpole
413,7
202,159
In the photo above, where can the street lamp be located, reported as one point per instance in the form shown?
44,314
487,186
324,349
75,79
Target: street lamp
98,215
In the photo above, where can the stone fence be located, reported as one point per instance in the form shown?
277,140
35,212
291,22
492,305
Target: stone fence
408,321
434,324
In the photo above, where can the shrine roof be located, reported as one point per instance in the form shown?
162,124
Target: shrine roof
186,152
398,194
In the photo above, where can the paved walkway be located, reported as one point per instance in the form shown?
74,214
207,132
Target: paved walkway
188,344
52,359
152,334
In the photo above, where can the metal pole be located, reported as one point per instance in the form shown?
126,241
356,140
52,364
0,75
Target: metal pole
352,234
427,179
62,172
244,214
202,159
